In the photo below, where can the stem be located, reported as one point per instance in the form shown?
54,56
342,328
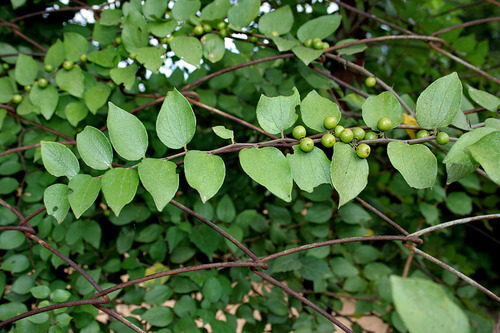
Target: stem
454,222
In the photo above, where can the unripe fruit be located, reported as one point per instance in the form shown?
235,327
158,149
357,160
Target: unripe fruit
370,81
198,30
207,27
325,45
338,130
5,66
118,40
132,55
274,33
42,82
358,133
221,25
83,57
224,32
318,45
363,150
67,65
27,88
48,68
299,132
371,136
330,122
346,135
169,38
422,134
253,39
442,138
306,144
384,124
328,140
308,42
16,98
316,40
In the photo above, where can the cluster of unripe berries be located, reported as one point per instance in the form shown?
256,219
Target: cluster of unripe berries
442,137
316,43
201,29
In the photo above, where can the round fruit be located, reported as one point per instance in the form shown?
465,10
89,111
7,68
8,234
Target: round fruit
299,132
371,136
83,57
328,140
308,42
370,81
5,66
346,135
27,88
274,33
325,45
67,65
384,124
207,27
132,55
318,44
363,150
118,40
306,144
422,134
224,32
42,83
442,138
17,98
253,39
169,38
330,122
198,30
48,68
221,25
338,130
358,133
316,40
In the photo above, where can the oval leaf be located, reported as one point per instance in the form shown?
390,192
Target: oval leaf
309,169
223,132
26,70
280,20
176,122
59,160
243,12
215,10
119,187
213,47
71,81
320,27
128,135
382,105
314,109
268,167
417,163
160,179
188,49
204,172
85,190
56,201
46,98
276,114
486,152
94,148
486,100
349,172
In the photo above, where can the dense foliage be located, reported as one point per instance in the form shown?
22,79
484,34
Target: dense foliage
197,140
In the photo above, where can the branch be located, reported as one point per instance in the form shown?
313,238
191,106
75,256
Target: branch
384,38
382,216
466,24
454,222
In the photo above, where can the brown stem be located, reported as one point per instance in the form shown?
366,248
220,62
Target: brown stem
466,24
382,216
385,38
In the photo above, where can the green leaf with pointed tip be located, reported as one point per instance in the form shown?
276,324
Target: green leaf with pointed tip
12,309
309,169
85,190
59,160
315,108
417,164
306,54
160,179
320,27
46,98
6,90
213,47
154,9
119,186
56,201
486,100
382,105
277,114
350,49
436,313
75,112
223,132
176,122
162,28
486,152
349,172
124,75
26,69
217,9
71,81
268,167
127,134
184,9
55,54
188,49
204,172
280,20
243,12
135,32
285,44
97,96
94,148
151,57
439,103
74,46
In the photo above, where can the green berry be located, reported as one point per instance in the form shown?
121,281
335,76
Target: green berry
17,98
5,66
306,144
118,40
346,135
358,133
274,33
371,136
224,32
325,45
442,138
384,124
299,132
422,134
132,55
370,81
83,57
221,25
207,27
42,83
328,140
330,122
67,65
48,68
308,42
318,45
27,88
338,130
169,39
363,150
316,40
253,39
198,30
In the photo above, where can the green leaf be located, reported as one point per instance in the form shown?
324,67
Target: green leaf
217,9
486,100
162,29
59,160
184,9
71,81
46,98
160,179
119,187
97,96
314,269
55,199
204,172
135,32
26,107
176,122
213,47
60,295
111,17
436,313
350,49
226,211
306,54
92,233
127,133
206,239
26,69
8,185
280,20
212,289
320,27
85,190
343,268
352,213
277,114
11,239
459,203
268,167
109,57
40,291
314,109
16,263
55,54
74,46
285,44
223,132
3,113
6,90
188,49
154,9
243,12
376,270
382,105
309,169
417,163
75,112
349,172
6,49
486,152
151,57
439,103
124,75
9,310
94,148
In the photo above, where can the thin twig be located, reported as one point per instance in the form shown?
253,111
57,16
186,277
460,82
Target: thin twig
466,24
454,222
382,216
